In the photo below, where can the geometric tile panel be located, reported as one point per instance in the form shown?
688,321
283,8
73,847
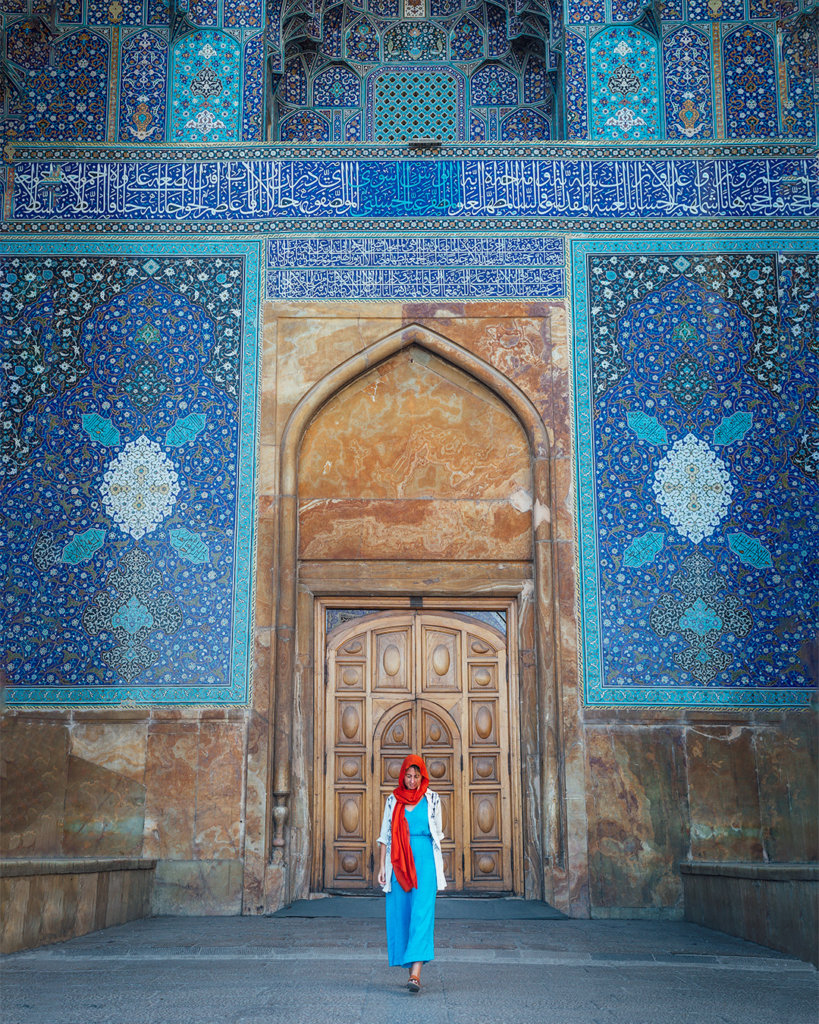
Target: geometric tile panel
697,470
421,102
127,472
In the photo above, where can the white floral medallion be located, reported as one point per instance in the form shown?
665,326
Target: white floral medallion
693,488
140,487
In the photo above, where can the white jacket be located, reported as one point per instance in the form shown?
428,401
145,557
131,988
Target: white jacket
436,831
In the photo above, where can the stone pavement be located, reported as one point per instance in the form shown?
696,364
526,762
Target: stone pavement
332,970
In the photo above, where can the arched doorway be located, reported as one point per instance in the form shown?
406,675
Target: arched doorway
325,557
435,683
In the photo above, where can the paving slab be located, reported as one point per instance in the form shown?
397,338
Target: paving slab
333,970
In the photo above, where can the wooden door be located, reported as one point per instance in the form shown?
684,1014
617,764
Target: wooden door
433,683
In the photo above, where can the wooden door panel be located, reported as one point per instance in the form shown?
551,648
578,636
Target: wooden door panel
349,769
485,816
483,723
435,731
441,660
486,867
390,770
350,676
350,868
483,768
350,815
393,661
477,645
349,722
440,770
483,678
398,734
425,682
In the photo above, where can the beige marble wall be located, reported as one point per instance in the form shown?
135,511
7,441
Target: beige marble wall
163,784
669,787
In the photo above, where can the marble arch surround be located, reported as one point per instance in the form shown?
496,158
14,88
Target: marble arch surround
278,858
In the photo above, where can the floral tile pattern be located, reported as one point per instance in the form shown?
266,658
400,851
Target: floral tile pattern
128,455
697,434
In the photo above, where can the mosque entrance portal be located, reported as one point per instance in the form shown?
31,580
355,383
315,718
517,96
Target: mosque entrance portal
435,683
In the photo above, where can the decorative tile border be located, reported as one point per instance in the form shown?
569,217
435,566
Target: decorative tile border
442,190
130,489
26,152
682,347
425,267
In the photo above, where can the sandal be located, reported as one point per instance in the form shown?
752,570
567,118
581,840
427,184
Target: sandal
414,984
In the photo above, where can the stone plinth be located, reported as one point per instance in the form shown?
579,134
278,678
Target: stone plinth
775,905
48,900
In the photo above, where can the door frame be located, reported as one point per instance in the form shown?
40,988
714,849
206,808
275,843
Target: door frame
382,603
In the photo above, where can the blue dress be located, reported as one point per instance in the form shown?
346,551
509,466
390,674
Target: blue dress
411,915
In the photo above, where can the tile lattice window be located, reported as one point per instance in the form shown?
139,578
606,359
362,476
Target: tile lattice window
410,104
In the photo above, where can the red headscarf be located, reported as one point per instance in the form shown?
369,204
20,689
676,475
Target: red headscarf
403,864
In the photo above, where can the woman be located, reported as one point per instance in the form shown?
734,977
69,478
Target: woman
411,834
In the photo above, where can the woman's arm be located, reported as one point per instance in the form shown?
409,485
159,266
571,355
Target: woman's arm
438,817
382,871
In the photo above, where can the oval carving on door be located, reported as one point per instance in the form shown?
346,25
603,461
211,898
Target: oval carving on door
350,722
441,660
392,660
349,815
483,722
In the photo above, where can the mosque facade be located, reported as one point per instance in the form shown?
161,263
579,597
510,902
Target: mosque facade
410,375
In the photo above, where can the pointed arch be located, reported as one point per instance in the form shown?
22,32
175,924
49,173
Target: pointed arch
541,602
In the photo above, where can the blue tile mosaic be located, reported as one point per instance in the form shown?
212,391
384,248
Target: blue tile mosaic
206,88
415,267
67,101
256,190
750,84
144,85
688,104
624,93
697,455
127,472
